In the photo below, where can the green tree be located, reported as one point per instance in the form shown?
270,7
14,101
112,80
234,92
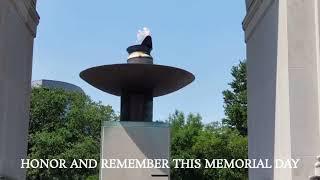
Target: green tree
191,139
235,100
65,125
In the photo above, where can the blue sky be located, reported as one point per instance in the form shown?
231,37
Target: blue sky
204,37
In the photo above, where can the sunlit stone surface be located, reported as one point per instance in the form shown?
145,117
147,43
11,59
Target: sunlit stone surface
283,84
18,22
135,140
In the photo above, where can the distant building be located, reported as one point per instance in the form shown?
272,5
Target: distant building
56,84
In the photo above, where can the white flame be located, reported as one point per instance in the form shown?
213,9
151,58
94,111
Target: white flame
143,34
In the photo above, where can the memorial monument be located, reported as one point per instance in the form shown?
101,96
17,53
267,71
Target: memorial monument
282,38
136,136
18,25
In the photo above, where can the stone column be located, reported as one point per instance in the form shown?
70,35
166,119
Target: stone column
282,38
18,22
316,170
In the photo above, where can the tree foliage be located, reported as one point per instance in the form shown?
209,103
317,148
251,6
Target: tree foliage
191,139
65,125
235,100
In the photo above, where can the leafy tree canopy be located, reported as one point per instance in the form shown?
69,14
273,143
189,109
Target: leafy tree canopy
65,125
235,100
191,139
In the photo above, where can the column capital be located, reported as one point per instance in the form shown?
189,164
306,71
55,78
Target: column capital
256,9
28,14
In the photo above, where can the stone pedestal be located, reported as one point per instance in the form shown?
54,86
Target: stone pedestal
135,140
136,137
282,39
18,22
